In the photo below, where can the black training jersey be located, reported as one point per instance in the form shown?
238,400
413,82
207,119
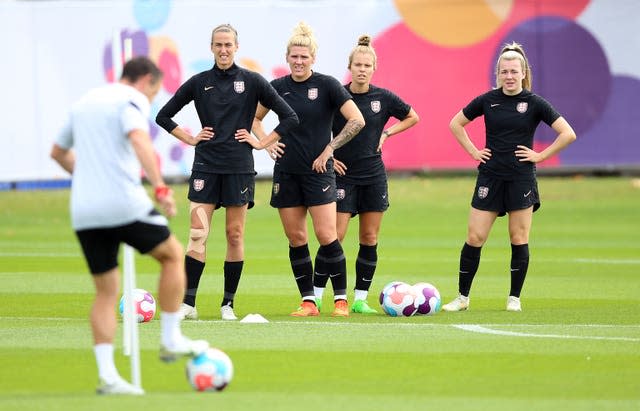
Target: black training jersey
315,101
361,155
226,100
509,121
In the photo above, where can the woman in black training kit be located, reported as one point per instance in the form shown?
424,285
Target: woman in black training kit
506,182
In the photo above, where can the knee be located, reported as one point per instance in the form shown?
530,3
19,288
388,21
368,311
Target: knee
176,249
171,251
519,239
326,236
368,238
519,236
235,236
476,239
297,237
198,239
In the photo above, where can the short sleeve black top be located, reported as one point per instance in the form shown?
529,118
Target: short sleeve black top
315,101
509,121
361,155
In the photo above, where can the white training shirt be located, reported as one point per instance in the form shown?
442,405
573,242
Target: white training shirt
106,187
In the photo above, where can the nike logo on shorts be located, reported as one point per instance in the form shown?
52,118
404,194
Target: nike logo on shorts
244,191
207,88
326,188
527,195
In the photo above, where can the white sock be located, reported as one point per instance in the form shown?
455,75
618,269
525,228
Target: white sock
106,366
339,297
169,328
361,294
318,292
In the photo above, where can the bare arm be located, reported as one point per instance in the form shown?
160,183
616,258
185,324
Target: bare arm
457,129
566,136
355,123
181,134
66,158
141,142
264,140
409,121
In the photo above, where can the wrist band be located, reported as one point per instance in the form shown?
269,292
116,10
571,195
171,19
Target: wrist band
162,192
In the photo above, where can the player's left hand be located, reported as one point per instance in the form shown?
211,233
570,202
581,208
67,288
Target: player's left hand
244,136
383,138
339,166
320,164
276,150
524,153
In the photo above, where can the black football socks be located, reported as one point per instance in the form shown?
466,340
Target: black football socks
469,262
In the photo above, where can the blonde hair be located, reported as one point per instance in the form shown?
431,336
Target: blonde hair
364,46
225,28
303,37
514,51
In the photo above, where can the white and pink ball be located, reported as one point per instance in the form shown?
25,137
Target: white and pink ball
427,299
397,299
145,305
210,371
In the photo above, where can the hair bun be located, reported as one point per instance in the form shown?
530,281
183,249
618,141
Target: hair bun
364,40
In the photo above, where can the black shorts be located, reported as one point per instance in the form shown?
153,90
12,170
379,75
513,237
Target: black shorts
293,190
101,245
354,199
492,194
223,190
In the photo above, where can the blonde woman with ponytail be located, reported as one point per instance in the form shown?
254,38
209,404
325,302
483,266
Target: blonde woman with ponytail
506,182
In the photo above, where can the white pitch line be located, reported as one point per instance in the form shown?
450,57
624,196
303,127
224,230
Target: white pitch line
484,330
477,328
606,261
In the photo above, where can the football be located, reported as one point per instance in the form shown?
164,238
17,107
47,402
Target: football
427,299
397,299
145,305
210,371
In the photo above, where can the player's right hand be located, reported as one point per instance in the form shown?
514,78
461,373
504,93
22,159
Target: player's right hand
205,134
164,197
482,155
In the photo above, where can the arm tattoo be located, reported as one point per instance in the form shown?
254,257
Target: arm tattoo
348,132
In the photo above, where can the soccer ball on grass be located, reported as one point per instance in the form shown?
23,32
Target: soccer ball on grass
427,299
210,371
145,305
397,299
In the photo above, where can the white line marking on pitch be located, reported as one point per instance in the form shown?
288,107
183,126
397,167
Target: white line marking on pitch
484,330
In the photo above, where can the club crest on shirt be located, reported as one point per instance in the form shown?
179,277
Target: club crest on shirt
483,192
198,184
276,188
375,106
522,107
238,86
312,93
340,194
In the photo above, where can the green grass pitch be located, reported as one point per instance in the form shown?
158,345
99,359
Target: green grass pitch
575,346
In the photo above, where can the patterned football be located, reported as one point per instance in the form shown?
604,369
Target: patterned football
145,305
210,371
397,299
427,299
